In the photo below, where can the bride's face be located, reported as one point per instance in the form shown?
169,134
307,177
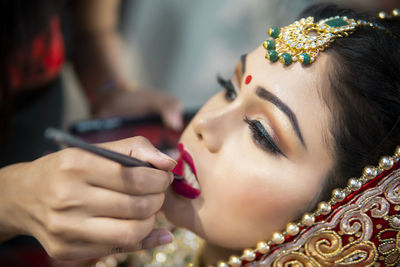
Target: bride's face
261,153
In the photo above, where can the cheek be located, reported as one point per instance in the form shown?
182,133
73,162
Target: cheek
251,198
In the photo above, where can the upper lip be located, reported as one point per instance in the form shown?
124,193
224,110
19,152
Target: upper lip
187,158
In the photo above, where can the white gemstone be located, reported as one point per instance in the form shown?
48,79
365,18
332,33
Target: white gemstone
319,42
161,257
329,35
306,46
313,45
293,44
299,45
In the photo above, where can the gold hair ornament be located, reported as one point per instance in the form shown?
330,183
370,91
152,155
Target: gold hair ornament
304,39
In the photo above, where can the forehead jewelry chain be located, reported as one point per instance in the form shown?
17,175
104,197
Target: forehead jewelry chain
304,39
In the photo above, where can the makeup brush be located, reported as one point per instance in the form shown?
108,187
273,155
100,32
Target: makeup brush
61,137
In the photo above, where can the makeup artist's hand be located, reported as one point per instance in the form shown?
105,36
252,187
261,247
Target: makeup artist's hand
79,205
140,102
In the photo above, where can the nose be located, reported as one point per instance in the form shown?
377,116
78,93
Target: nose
212,127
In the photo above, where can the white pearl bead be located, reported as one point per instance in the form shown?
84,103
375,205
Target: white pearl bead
278,238
386,163
222,264
262,247
354,184
248,254
324,208
292,229
338,194
382,15
396,12
370,172
397,152
308,219
235,261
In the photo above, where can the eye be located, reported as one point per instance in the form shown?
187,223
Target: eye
262,137
230,92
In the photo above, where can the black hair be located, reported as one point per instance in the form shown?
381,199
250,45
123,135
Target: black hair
364,94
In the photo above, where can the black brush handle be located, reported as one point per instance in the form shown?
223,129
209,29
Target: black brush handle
63,138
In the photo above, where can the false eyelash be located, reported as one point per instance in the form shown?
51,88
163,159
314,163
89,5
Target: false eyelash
261,136
230,93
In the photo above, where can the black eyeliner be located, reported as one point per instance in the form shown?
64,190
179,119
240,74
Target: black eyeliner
258,129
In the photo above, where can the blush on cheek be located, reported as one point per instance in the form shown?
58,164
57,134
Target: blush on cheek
248,79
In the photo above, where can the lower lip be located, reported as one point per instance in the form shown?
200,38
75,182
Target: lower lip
180,186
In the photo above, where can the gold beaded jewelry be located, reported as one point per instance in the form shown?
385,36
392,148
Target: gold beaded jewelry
304,39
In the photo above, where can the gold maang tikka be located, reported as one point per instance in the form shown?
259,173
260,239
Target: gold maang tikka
304,39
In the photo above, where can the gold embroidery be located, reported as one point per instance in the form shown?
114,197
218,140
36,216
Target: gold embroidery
326,249
390,247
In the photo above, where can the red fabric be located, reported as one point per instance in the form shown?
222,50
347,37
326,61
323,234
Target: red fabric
41,62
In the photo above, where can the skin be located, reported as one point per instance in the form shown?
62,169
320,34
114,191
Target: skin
79,205
247,191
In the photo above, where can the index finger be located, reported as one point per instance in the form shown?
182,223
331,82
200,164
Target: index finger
133,181
140,148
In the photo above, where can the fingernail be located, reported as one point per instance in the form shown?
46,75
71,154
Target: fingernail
165,156
166,238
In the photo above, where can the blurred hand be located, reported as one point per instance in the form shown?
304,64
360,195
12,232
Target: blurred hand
140,102
79,205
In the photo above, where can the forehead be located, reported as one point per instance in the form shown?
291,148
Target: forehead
298,87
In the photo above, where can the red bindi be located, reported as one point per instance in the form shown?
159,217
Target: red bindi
248,79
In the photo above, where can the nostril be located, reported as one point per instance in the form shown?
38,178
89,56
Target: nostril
200,136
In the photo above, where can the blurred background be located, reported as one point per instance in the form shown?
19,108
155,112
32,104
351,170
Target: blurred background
180,46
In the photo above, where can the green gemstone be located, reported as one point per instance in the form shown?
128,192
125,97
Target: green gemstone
274,32
270,44
335,23
305,58
286,58
272,55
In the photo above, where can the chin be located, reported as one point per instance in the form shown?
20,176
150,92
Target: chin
179,210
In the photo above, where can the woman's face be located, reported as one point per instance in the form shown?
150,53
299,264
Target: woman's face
260,156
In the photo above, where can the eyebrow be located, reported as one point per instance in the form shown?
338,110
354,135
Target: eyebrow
243,62
264,94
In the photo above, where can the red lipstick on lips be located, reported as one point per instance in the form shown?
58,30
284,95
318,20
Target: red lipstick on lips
181,187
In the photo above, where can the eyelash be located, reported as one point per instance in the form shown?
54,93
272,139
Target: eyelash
230,93
261,136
